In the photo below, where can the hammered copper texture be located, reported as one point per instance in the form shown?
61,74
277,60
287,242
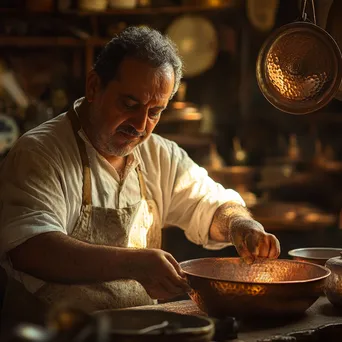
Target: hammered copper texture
228,286
333,288
298,69
293,71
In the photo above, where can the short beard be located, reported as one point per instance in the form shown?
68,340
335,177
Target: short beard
113,151
105,147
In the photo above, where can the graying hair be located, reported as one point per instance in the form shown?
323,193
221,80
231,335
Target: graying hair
143,43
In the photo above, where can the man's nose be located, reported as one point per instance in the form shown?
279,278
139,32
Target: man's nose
139,121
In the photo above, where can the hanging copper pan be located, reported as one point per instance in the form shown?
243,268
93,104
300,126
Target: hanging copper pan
334,27
299,67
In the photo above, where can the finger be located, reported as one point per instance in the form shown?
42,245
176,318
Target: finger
175,278
180,288
165,290
253,243
175,264
184,285
179,282
245,253
264,245
275,247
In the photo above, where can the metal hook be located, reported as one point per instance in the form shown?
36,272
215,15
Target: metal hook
305,15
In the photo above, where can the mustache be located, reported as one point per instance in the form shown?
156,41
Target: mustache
131,131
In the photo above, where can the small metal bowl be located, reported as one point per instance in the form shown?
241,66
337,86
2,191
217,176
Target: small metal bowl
315,255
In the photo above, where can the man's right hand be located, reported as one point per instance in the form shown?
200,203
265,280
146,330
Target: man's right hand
58,258
159,273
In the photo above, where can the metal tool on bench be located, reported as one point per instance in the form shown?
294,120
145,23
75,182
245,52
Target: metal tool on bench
126,325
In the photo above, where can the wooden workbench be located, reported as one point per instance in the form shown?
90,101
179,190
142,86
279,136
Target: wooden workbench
320,313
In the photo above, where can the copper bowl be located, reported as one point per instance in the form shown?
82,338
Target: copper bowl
230,287
315,255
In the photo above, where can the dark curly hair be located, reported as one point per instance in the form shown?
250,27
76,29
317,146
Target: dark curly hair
143,43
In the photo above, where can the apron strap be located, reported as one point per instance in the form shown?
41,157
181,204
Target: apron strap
87,196
142,184
76,126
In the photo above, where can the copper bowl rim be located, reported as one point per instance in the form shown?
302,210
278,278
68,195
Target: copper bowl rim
261,74
292,252
323,268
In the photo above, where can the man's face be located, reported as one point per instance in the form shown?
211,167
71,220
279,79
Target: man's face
124,113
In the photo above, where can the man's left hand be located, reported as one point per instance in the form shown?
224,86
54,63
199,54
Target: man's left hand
251,241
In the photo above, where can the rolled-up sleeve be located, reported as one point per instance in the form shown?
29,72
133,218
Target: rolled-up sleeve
31,199
195,198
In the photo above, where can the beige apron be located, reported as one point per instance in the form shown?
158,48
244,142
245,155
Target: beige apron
135,226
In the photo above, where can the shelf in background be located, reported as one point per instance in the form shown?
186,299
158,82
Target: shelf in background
40,41
51,42
325,118
153,10
97,41
133,11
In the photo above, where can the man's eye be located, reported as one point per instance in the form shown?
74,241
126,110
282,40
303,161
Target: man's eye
154,115
130,104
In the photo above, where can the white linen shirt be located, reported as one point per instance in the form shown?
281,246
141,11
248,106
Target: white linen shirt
41,188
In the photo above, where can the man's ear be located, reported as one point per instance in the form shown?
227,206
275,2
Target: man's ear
93,85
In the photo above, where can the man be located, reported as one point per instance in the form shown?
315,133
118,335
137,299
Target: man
84,194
